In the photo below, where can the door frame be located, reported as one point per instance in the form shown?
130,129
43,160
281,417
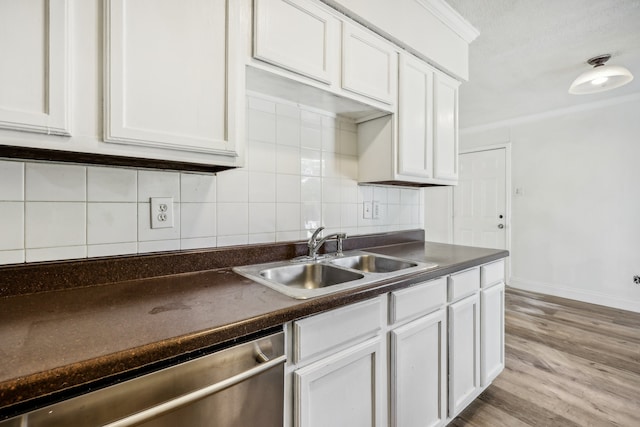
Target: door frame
507,147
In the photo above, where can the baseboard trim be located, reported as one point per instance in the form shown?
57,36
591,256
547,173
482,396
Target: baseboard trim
575,294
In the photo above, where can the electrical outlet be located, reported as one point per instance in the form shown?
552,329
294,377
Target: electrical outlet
636,280
162,212
376,209
366,210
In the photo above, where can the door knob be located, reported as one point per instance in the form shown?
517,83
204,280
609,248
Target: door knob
501,226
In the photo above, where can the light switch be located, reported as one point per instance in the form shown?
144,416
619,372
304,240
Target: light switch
366,210
376,210
162,212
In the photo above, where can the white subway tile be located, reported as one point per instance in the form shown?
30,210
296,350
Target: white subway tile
146,233
380,194
262,238
288,160
288,110
348,143
197,220
348,167
158,184
158,246
262,187
260,104
310,162
11,181
365,193
287,131
50,182
330,190
330,164
287,236
262,126
405,214
311,119
393,214
288,217
112,223
262,218
55,254
310,189
348,215
348,191
261,157
330,140
233,186
237,240
288,188
331,215
111,249
329,122
51,224
112,184
311,138
12,257
198,243
311,215
347,124
393,195
196,188
12,225
409,196
233,219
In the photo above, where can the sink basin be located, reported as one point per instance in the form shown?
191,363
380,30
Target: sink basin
309,276
373,263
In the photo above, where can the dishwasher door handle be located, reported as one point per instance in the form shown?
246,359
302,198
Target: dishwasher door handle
194,396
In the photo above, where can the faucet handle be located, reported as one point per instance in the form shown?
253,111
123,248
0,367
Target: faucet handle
340,237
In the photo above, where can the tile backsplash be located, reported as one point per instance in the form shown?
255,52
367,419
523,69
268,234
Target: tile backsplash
301,173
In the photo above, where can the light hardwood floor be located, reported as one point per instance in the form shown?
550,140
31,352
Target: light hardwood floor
567,364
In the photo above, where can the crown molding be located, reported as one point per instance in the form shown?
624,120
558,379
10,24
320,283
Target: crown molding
452,19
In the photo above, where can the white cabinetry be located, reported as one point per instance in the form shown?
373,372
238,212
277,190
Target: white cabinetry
34,76
296,35
369,64
340,376
418,356
423,149
492,321
169,80
464,340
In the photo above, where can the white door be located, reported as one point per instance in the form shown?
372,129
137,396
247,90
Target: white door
480,200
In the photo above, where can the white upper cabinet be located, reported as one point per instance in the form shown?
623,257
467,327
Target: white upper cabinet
168,75
34,75
446,128
369,64
296,35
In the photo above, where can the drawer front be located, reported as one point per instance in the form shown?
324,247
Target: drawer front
337,329
492,274
417,300
463,284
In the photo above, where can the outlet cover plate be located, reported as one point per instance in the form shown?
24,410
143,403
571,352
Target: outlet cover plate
161,212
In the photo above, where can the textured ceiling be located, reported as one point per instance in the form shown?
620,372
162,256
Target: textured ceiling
529,52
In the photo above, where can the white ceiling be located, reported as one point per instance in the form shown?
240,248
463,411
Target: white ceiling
529,52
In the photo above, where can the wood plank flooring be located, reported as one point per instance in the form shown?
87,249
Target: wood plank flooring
568,363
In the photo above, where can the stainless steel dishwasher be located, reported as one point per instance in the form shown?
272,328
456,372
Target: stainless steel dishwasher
236,387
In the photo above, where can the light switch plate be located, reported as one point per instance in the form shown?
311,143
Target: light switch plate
376,210
366,210
161,212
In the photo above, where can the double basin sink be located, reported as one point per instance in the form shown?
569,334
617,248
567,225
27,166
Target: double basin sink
306,278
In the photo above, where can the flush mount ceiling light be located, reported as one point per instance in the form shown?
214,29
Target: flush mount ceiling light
601,77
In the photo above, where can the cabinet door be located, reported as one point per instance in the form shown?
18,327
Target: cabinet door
34,75
296,35
415,118
167,74
464,352
446,128
343,390
369,64
419,373
492,333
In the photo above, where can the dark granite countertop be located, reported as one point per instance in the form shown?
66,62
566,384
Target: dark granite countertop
59,343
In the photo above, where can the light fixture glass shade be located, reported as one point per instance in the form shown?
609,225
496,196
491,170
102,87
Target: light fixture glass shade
599,79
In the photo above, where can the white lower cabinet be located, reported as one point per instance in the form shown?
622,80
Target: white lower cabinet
492,333
345,389
418,372
464,352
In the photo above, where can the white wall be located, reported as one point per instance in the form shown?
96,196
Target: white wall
301,173
576,228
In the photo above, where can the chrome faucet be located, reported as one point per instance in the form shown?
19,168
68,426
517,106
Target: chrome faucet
314,244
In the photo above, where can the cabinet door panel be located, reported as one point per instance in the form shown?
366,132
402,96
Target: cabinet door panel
343,390
492,333
415,115
418,372
296,35
446,128
368,64
34,76
464,352
166,74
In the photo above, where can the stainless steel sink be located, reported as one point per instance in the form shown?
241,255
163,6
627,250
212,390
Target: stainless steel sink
309,276
373,263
